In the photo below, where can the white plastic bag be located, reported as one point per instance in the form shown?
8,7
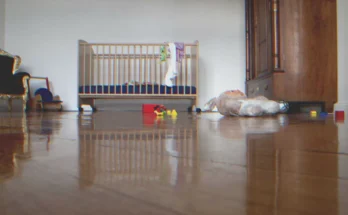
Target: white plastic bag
236,103
210,105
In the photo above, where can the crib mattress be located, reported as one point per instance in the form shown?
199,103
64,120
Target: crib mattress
137,89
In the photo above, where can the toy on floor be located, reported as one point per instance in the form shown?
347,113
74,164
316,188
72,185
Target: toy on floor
161,110
194,109
174,113
45,99
236,103
323,114
313,113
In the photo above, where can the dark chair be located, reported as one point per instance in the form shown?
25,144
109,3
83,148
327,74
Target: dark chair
13,85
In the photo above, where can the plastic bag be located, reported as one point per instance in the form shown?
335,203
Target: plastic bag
236,103
210,105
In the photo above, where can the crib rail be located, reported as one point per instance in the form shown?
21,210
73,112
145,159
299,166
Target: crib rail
134,70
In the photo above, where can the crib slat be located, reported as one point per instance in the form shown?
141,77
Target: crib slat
118,69
124,69
191,73
83,70
90,68
115,71
146,69
153,78
183,69
186,76
129,66
109,72
140,63
98,70
140,69
162,76
160,72
103,70
177,76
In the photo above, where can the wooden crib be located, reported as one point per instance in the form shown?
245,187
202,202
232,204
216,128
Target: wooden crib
134,71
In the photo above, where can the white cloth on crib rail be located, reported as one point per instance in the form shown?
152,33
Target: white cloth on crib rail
172,67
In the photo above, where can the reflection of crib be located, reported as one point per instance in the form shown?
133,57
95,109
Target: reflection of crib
130,71
138,156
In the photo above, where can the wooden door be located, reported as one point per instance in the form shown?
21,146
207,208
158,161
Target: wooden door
259,44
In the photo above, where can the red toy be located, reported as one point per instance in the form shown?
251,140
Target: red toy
148,108
160,110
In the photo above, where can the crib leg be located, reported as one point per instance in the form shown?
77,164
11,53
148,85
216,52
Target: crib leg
90,102
194,107
190,109
198,110
80,105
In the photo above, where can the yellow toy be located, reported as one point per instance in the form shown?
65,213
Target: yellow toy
174,113
161,110
159,113
313,113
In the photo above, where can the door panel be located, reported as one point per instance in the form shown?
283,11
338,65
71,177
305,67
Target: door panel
261,23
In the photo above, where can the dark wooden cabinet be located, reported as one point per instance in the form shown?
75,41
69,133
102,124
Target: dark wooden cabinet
260,25
292,50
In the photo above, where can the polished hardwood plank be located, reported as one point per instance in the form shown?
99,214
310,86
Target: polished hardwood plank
130,163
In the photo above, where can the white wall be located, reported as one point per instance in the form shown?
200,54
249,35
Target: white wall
2,23
45,34
342,33
342,104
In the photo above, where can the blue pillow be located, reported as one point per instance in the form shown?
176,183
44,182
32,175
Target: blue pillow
45,94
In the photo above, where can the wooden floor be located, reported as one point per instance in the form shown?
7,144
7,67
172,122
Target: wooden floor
127,163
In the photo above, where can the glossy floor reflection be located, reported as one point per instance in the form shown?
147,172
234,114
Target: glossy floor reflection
128,163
